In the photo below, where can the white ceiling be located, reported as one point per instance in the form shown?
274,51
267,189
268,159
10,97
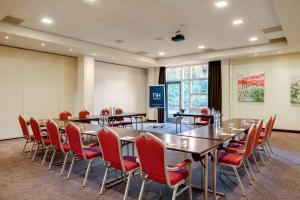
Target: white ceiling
139,22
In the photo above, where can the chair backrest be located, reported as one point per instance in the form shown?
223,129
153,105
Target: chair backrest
24,127
249,143
152,156
105,112
64,115
119,111
111,148
36,129
268,128
53,133
258,132
74,138
84,114
205,111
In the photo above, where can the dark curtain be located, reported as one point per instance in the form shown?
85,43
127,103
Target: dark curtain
215,85
161,81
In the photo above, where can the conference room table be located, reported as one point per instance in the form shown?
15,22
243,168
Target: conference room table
180,116
107,118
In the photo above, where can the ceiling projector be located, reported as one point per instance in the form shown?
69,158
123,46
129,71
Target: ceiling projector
178,37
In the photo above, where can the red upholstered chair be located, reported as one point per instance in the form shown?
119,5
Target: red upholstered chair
121,120
204,121
42,141
65,115
105,112
29,138
269,135
83,114
56,143
235,158
77,149
112,155
153,164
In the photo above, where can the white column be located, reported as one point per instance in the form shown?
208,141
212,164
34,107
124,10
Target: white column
226,89
85,84
151,79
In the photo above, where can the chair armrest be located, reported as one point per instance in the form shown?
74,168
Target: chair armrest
183,163
233,150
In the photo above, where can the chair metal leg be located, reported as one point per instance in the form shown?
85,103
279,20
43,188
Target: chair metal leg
52,158
160,190
261,157
87,172
31,149
239,180
33,158
45,155
142,189
247,172
127,185
24,147
250,168
267,150
103,181
71,166
64,164
175,192
270,147
256,162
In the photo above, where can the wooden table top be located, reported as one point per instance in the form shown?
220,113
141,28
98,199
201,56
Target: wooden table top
222,134
97,117
191,115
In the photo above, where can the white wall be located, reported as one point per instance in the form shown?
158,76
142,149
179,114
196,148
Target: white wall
33,84
119,86
277,90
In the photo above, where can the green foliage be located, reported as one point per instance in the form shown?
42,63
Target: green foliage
295,93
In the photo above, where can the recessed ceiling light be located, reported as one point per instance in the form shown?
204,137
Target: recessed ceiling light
255,54
159,38
279,52
238,21
161,53
221,4
201,47
7,37
252,39
94,54
47,21
43,44
113,58
71,50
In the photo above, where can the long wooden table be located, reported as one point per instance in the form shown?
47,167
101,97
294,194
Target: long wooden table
98,118
180,116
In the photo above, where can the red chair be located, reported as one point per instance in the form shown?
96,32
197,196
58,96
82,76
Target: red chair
235,158
119,121
271,130
204,121
65,115
83,114
41,141
153,164
112,155
78,150
105,112
265,136
29,138
56,144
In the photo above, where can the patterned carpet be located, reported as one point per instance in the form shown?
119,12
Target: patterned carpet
22,179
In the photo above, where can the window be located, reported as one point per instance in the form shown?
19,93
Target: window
193,90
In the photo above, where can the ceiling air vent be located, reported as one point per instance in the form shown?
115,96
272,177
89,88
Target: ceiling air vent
142,53
12,20
281,39
272,29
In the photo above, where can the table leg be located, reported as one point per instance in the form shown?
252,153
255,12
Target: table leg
136,123
205,178
176,124
215,174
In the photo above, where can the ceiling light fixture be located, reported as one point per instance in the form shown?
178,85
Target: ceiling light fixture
279,52
7,37
43,44
238,21
252,39
201,47
221,4
161,53
255,54
94,54
47,21
71,50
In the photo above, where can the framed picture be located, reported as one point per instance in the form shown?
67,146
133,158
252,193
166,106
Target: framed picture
251,86
295,88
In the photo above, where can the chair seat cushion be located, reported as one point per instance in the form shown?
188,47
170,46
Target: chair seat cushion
92,152
31,137
130,163
202,123
47,141
66,147
237,146
229,158
177,176
259,141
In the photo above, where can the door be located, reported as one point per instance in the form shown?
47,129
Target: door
173,99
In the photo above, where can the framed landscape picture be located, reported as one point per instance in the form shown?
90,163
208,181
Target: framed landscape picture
251,86
295,88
